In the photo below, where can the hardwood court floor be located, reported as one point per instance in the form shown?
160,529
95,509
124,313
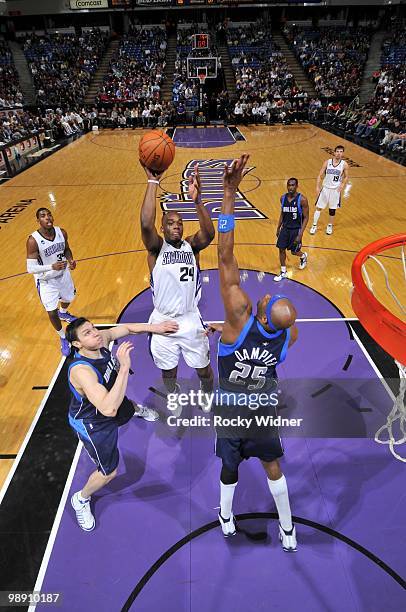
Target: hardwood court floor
95,187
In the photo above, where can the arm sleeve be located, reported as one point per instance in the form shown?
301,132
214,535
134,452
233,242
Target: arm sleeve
33,267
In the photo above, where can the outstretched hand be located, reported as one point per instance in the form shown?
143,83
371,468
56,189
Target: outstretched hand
166,327
123,354
212,328
195,188
233,175
152,174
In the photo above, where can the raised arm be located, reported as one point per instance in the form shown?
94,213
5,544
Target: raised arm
236,302
85,381
205,235
321,176
150,237
68,252
127,329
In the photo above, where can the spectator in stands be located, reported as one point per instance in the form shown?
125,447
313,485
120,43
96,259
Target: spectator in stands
334,58
62,65
136,71
10,93
262,76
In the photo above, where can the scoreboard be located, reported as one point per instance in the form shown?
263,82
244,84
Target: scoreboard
200,41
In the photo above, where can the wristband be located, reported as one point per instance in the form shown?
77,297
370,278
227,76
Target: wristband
226,223
153,181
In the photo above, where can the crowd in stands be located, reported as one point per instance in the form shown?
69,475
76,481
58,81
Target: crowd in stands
17,124
62,65
266,89
381,123
158,114
136,72
280,110
384,134
333,58
10,94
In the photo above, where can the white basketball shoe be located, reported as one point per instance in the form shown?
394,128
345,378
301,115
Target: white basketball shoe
288,539
280,277
146,413
84,514
228,526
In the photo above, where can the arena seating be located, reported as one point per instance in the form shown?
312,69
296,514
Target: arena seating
136,71
10,94
380,124
62,65
333,57
266,89
17,124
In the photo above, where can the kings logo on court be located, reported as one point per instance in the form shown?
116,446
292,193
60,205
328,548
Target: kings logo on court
211,176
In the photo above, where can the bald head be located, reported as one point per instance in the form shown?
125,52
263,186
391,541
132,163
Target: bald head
283,313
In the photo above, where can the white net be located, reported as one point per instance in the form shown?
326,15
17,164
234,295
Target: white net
395,419
394,430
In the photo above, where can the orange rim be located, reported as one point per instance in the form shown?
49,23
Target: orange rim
384,327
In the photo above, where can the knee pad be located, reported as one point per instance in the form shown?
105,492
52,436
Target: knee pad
228,477
332,212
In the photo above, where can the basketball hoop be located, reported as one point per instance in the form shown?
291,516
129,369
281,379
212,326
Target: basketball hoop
202,78
384,327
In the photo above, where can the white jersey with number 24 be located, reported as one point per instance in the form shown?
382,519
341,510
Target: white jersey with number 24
175,280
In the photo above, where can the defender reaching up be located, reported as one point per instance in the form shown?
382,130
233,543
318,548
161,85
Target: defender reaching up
246,366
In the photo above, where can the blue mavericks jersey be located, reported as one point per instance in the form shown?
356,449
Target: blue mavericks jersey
106,369
249,365
291,212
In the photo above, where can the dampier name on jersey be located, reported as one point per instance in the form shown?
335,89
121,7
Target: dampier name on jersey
257,354
175,257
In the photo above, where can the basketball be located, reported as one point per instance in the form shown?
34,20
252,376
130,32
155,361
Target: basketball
156,150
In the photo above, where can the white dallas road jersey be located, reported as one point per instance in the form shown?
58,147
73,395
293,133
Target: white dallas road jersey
175,280
334,174
50,251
